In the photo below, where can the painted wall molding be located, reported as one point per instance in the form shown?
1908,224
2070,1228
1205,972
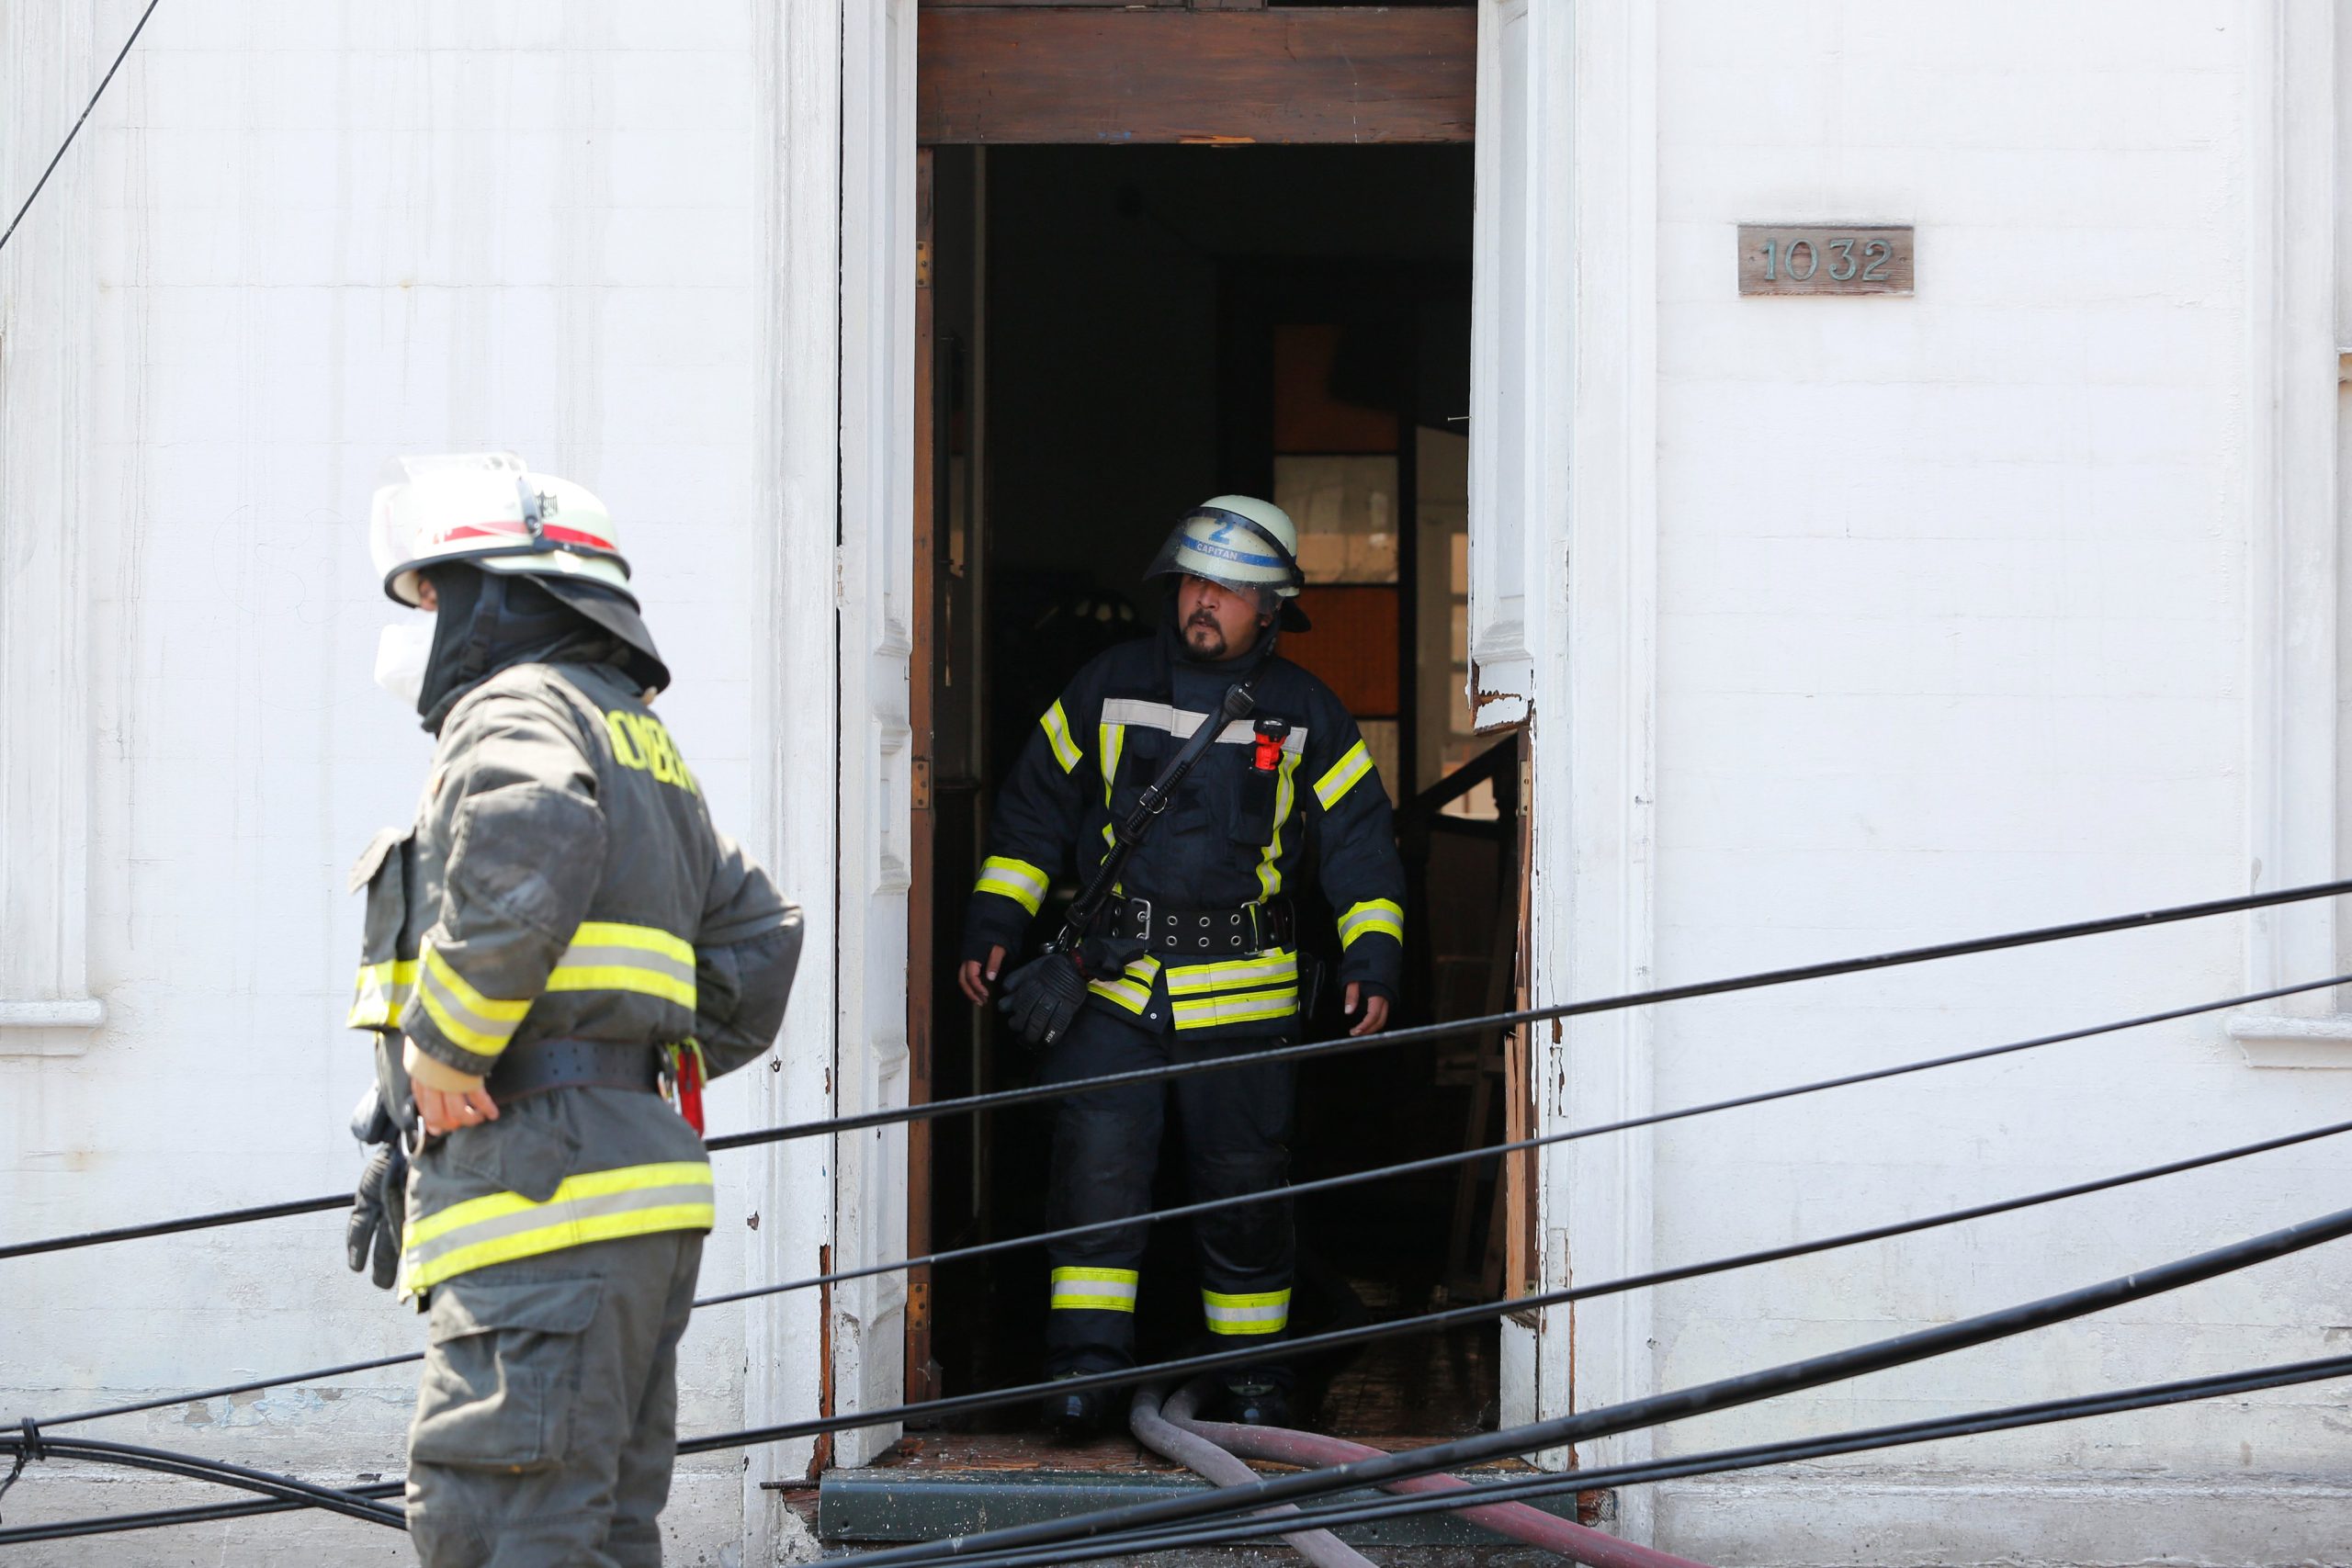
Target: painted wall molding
47,330
2295,320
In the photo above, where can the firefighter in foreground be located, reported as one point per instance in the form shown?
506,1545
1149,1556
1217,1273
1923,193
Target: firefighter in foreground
559,945
1196,954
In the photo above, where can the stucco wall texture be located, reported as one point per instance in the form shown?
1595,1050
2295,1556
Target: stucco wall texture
325,234
1952,638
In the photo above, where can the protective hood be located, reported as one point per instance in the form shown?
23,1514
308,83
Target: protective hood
492,621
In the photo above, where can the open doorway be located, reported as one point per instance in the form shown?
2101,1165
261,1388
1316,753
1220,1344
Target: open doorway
1114,334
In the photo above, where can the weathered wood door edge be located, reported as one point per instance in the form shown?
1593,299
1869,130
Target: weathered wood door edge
1564,497
877,618
797,490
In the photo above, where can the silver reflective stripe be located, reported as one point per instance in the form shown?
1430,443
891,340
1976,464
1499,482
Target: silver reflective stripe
541,1215
1181,722
579,957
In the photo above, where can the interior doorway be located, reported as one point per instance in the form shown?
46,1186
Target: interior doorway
1112,334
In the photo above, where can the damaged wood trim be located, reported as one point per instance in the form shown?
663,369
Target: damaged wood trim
1132,77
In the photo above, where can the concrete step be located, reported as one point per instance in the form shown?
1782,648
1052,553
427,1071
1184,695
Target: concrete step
931,1489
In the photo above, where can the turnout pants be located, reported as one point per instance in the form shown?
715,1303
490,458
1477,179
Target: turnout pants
547,1418
1236,1129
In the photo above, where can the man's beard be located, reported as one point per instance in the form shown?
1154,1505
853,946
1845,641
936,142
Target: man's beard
1204,638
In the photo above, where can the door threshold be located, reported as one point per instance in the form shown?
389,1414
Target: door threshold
933,1486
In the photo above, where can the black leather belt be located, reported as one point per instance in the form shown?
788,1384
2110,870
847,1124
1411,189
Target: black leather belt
1247,928
543,1064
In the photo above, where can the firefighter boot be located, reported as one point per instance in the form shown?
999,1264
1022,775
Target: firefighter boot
1080,1412
1254,1399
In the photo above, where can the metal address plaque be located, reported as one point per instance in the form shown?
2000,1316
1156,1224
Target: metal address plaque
1797,258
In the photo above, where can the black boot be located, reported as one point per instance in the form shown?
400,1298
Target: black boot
1257,1400
1080,1414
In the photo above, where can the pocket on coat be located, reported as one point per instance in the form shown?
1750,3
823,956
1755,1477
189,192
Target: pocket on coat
524,1151
502,1371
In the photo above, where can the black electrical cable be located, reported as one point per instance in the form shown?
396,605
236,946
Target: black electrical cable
1792,1451
168,1518
1518,1145
192,1467
1422,1033
1678,1404
59,155
1476,1313
1481,1312
1418,1034
169,1227
2129,1287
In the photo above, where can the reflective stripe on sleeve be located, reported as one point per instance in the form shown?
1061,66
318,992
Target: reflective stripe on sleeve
479,1024
1263,1311
1343,776
606,955
1238,1007
1055,725
1014,879
1372,915
602,1205
382,990
1094,1290
1132,989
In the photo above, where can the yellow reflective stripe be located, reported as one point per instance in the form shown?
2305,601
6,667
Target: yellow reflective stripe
602,1205
1056,726
480,1024
1094,1290
1014,879
1115,741
1263,1311
1342,777
1270,874
1372,915
607,956
379,993
1195,979
1131,991
1239,1007
652,939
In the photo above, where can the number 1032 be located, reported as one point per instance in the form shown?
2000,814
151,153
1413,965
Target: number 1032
1847,260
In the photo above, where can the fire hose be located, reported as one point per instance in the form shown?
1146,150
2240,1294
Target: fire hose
1230,1444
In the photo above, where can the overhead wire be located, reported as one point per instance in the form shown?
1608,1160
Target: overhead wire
1339,1515
349,1503
1723,1394
1453,1317
58,157
1314,1049
1479,1312
1333,1516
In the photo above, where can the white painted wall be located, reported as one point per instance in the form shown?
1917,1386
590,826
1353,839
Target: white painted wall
303,238
1955,632
1964,617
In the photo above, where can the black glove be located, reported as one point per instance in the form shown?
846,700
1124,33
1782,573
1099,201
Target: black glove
379,1208
1042,996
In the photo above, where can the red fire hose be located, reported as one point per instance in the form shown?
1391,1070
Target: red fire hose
1576,1542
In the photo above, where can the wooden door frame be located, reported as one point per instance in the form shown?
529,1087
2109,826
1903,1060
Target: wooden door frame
1589,195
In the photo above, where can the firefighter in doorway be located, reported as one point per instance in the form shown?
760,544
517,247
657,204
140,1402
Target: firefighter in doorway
1197,955
561,938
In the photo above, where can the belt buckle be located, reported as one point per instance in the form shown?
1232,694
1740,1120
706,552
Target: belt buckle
1141,909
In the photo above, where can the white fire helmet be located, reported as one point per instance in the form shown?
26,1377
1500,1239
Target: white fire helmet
487,508
1239,542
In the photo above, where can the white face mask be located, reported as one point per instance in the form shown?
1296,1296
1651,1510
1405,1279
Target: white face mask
401,652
